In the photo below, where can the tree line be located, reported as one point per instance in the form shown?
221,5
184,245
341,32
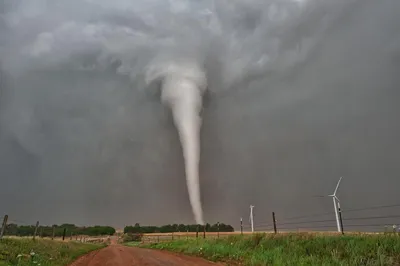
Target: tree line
47,231
169,228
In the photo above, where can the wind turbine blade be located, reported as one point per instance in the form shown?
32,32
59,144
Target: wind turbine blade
336,198
337,186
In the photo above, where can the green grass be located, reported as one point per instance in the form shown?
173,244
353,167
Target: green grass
293,249
46,252
131,244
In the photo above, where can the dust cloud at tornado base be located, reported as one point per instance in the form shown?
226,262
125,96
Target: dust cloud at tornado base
91,148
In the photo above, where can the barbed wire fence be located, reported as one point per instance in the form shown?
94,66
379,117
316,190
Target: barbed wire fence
320,222
38,229
353,220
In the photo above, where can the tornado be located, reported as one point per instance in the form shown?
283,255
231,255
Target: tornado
182,90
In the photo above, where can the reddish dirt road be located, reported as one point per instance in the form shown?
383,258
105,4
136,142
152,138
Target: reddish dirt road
118,255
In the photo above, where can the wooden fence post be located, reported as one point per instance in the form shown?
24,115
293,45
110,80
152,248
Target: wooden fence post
53,233
3,226
274,221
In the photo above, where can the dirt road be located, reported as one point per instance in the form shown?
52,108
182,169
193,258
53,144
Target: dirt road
118,255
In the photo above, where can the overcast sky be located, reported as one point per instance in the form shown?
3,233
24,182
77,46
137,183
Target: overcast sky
300,94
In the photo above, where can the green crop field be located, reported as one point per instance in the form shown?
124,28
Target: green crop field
23,251
293,249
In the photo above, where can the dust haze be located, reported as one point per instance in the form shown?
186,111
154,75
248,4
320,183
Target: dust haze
299,93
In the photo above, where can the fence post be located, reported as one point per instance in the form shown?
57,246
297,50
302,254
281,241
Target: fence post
187,233
36,228
64,232
3,226
241,225
204,231
274,221
218,230
53,233
197,231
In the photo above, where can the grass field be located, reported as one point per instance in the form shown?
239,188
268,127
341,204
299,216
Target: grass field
25,251
293,249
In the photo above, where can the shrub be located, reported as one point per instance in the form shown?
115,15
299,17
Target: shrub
132,237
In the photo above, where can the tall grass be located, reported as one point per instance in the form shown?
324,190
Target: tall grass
22,252
294,249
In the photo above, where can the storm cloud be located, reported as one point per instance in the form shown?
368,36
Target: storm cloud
300,93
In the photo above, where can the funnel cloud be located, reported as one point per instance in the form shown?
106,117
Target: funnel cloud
182,90
112,111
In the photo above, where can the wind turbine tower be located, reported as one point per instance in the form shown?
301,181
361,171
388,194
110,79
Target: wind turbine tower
336,206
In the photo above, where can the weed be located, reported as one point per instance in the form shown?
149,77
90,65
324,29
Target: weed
23,252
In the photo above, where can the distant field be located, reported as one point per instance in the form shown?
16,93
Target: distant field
293,249
164,237
25,251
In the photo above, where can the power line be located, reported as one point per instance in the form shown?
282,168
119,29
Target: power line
328,213
307,216
372,217
368,225
305,222
317,226
262,226
372,208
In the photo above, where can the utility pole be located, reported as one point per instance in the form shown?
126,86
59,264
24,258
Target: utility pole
3,226
252,218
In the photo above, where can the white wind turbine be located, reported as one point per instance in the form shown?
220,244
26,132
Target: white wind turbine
336,206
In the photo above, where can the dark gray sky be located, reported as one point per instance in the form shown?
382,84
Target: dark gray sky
296,101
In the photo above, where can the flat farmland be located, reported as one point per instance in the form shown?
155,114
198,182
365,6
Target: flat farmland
165,237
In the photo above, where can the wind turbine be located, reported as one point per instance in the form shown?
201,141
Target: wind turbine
336,206
251,218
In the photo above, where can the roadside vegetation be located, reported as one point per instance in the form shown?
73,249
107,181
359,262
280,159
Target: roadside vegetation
15,251
293,249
